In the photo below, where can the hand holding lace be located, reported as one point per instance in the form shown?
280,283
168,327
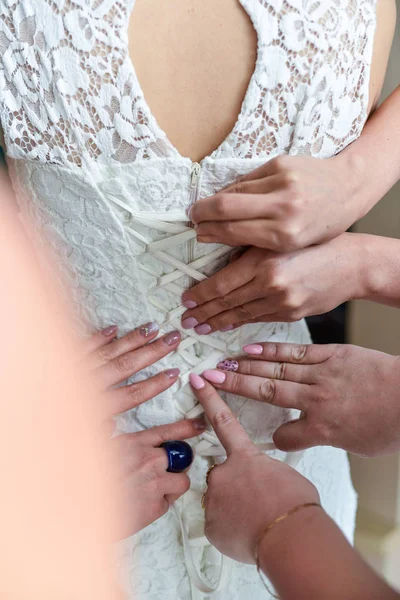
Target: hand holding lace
287,204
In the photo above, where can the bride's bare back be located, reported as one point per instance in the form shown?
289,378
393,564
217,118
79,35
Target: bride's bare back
194,60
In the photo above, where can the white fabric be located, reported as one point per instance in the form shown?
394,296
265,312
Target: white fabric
94,171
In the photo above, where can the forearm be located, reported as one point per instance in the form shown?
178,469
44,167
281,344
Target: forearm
372,162
307,557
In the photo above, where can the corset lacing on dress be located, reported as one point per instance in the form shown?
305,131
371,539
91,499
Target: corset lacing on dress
175,224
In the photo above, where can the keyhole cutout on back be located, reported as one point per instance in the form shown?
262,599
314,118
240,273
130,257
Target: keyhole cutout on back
194,60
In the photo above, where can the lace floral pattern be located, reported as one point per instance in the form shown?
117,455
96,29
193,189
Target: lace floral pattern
67,82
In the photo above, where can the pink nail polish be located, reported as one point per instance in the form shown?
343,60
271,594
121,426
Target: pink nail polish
199,423
172,338
227,328
108,331
228,365
203,329
214,376
253,349
172,373
148,329
189,323
190,304
196,382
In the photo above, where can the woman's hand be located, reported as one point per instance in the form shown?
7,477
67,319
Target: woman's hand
265,286
249,490
113,361
289,203
349,396
146,489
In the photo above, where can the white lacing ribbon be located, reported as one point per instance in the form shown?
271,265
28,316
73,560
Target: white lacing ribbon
175,224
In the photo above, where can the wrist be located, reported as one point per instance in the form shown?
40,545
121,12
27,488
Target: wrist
354,264
372,275
352,174
283,539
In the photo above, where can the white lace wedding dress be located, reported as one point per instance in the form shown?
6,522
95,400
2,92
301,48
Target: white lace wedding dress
108,191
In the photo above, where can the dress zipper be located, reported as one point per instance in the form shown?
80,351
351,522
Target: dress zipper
194,185
194,182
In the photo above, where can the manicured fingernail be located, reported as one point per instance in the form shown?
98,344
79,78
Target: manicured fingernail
196,381
199,424
214,376
253,349
228,365
190,304
108,331
227,328
203,329
148,329
189,323
172,373
172,338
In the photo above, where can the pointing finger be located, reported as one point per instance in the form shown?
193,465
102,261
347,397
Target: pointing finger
228,429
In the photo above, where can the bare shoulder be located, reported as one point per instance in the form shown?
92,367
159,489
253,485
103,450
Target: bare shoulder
384,34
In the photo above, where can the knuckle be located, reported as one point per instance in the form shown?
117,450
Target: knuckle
221,286
237,188
299,352
296,315
164,433
280,163
277,280
123,364
322,397
279,371
291,302
267,391
152,475
273,350
147,459
291,179
234,382
323,433
230,228
226,303
243,314
104,354
223,417
222,205
126,445
135,393
289,237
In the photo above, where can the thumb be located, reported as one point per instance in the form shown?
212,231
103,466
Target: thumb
296,435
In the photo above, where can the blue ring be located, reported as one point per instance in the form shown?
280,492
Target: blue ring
180,456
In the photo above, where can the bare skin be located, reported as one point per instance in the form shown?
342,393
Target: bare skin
348,395
202,56
306,556
144,487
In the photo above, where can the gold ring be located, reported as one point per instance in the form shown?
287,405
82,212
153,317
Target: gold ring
208,473
203,506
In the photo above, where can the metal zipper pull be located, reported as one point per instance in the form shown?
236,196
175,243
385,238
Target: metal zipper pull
196,168
194,183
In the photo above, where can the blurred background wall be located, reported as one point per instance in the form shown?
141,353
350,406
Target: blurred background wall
378,480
